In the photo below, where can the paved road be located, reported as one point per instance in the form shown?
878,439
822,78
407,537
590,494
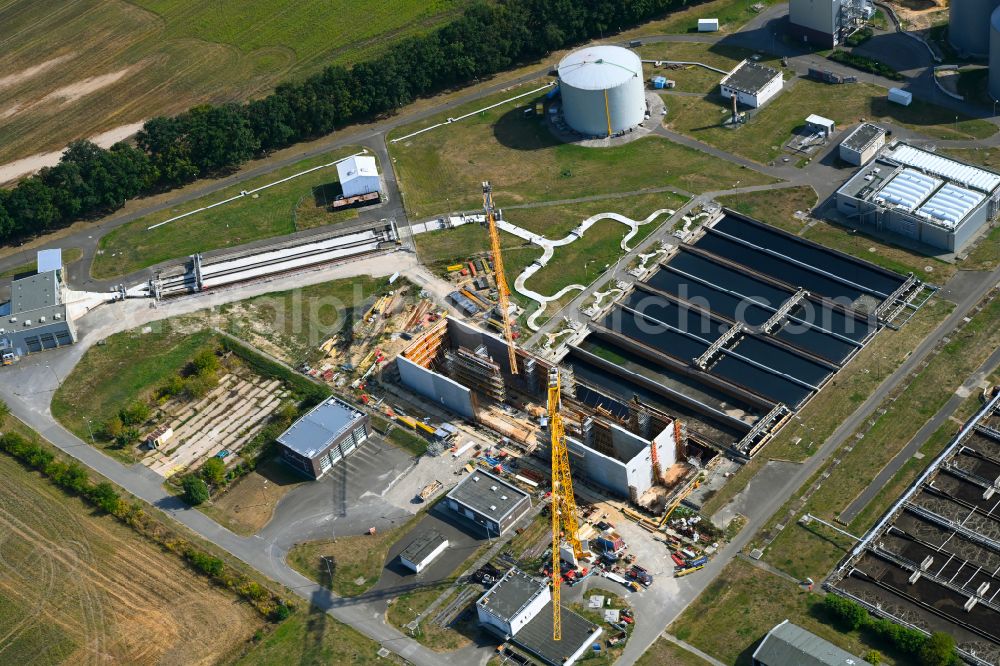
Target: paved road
969,387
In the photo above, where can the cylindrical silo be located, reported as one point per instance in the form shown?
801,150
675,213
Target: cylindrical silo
969,26
602,90
995,54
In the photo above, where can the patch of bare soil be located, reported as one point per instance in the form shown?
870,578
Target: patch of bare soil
919,14
33,71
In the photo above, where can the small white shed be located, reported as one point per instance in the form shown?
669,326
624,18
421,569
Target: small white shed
708,25
900,96
820,125
358,175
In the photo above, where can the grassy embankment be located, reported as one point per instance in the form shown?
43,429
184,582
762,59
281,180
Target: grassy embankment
283,209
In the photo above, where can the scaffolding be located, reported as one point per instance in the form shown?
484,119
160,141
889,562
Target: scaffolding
476,370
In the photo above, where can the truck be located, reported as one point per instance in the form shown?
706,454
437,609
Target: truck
8,358
641,576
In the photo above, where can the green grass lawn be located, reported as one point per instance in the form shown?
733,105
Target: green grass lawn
312,637
350,558
739,607
762,138
69,256
664,652
557,220
127,367
799,550
732,15
274,212
407,440
443,168
775,207
164,56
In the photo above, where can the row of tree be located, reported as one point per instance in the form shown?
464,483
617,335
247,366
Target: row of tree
209,140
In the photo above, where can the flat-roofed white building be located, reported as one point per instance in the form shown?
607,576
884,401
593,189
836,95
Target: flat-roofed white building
751,83
922,196
861,145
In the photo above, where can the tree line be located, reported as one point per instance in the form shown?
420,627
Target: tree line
210,140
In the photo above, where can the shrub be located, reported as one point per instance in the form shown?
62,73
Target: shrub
205,362
136,413
112,428
105,497
205,563
213,471
280,613
195,490
938,650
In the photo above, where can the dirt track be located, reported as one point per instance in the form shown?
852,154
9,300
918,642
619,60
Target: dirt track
81,589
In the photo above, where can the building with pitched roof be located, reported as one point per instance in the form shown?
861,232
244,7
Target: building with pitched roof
790,645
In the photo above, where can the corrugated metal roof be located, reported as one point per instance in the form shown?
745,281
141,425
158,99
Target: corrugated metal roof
790,645
963,174
908,189
313,432
950,205
599,67
862,137
357,167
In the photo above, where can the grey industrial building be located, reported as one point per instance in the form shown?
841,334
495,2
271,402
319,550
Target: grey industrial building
788,644
489,501
518,609
326,435
751,83
826,23
921,196
36,317
861,145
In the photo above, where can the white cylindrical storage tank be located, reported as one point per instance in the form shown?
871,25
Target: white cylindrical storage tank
602,87
995,54
968,26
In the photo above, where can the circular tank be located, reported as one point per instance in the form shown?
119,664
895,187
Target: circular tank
995,54
602,86
969,26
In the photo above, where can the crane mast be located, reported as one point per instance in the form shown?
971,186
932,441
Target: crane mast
503,293
564,523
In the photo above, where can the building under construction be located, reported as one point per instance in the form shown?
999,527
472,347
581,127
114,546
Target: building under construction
465,370
711,351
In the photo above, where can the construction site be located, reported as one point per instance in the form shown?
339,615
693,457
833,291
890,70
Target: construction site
932,561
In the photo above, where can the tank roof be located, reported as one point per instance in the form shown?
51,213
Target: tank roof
599,67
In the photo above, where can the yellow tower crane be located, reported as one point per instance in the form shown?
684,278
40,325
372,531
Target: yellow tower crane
503,293
564,524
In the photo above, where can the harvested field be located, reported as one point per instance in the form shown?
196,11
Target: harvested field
78,588
63,62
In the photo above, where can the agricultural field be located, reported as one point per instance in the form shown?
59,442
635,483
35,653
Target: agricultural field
277,211
441,170
92,66
78,587
762,138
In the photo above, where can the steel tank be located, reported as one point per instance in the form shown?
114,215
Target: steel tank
994,82
969,26
602,88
